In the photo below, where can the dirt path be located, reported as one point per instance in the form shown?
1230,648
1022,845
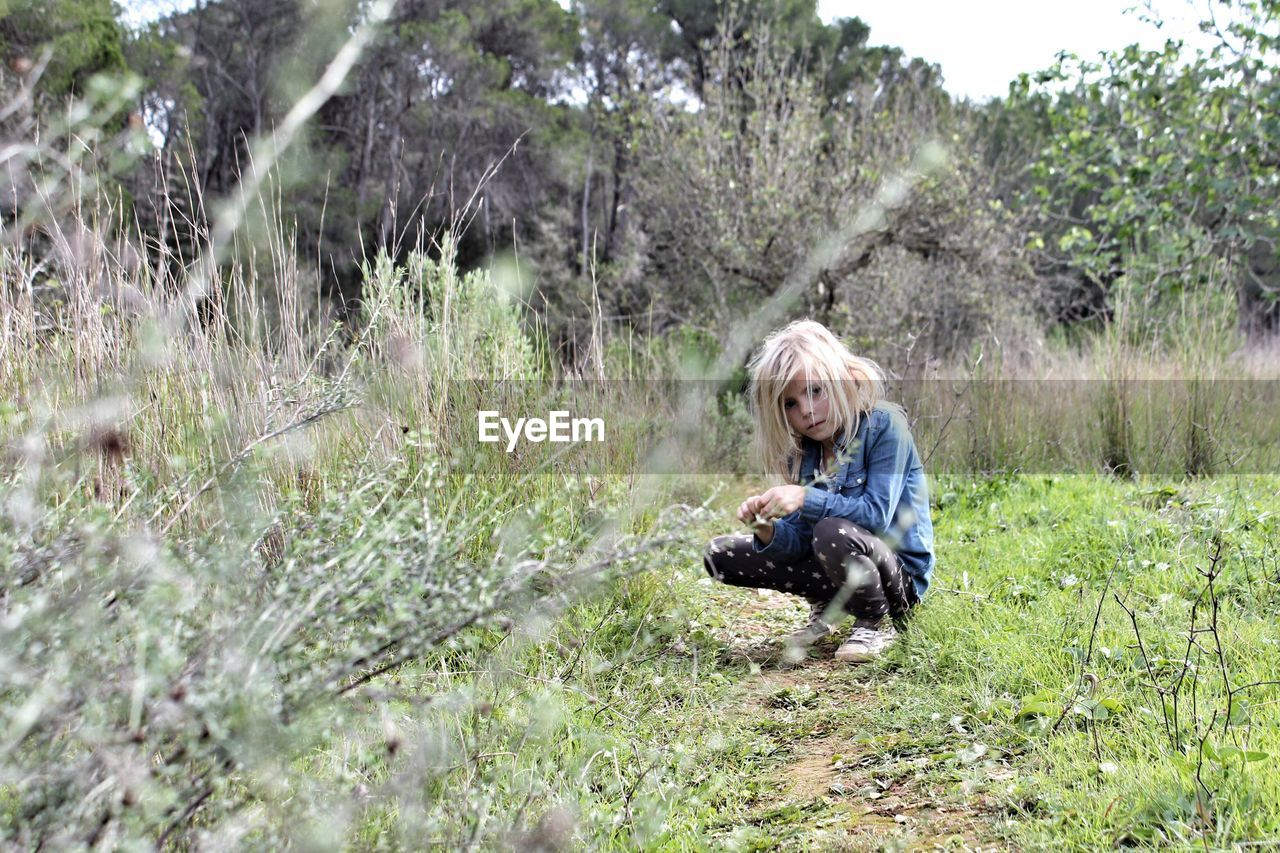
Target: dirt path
836,788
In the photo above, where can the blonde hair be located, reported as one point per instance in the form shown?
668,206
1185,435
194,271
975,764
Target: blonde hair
806,348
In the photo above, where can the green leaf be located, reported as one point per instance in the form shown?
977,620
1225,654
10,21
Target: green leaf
1090,709
1239,713
1037,709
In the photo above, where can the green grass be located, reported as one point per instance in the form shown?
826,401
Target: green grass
970,700
629,722
617,728
1043,553
625,713
184,661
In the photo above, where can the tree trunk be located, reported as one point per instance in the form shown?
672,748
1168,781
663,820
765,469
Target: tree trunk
586,217
391,187
366,155
615,209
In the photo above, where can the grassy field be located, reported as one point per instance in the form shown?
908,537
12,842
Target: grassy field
261,588
1023,708
1081,680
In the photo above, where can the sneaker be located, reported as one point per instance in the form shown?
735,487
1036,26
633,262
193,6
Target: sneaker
817,628
866,644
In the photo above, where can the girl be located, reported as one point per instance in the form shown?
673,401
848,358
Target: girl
851,530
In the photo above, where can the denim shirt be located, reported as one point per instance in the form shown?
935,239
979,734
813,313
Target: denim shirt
879,484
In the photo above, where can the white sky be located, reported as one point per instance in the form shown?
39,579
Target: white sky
982,45
136,13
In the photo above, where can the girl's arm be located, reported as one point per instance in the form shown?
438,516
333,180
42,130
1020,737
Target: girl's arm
787,536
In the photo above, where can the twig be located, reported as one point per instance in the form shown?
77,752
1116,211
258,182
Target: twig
474,759
942,431
591,697
1146,660
1210,576
244,454
1097,616
191,809
582,644
973,595
1097,619
1250,686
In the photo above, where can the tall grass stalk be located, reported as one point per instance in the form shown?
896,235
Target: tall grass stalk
227,534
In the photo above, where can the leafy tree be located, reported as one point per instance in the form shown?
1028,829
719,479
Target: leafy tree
81,38
448,92
624,59
66,120
1152,158
838,52
767,178
641,64
445,92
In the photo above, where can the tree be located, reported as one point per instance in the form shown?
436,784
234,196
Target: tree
81,38
449,91
1153,158
738,195
65,118
446,91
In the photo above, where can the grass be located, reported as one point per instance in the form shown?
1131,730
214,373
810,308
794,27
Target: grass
262,587
651,718
985,704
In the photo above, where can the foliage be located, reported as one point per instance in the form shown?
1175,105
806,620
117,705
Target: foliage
765,180
1087,616
470,80
71,39
57,156
1144,162
147,686
199,594
543,114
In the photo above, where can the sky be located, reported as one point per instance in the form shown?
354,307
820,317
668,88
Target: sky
137,12
981,45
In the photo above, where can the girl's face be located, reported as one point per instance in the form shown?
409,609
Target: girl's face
808,409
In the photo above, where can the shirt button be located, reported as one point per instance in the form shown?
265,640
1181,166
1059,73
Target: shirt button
859,479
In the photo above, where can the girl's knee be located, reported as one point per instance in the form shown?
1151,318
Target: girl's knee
714,555
858,575
829,529
712,571
840,535
708,563
830,539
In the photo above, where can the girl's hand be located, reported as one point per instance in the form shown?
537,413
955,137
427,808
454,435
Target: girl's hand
775,503
751,508
782,500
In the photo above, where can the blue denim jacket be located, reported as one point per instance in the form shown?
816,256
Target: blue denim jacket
879,484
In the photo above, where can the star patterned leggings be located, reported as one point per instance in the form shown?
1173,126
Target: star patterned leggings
849,566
